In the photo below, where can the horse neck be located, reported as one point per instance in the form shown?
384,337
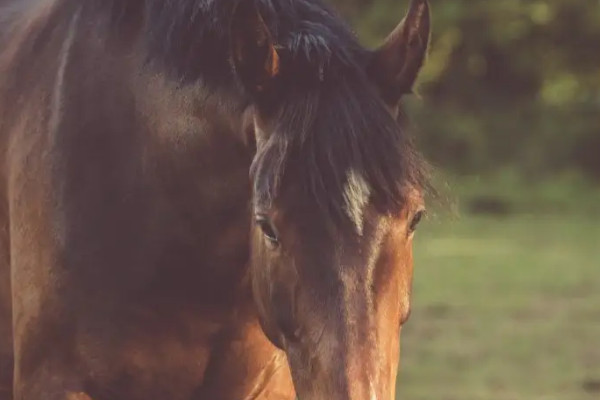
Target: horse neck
198,165
172,149
200,160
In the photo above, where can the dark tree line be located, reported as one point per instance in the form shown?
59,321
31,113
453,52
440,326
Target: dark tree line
508,83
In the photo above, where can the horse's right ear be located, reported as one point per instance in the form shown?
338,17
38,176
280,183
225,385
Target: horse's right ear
397,62
255,60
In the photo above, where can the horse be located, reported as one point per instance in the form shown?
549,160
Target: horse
204,200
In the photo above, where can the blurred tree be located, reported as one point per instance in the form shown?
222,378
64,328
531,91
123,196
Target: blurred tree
507,82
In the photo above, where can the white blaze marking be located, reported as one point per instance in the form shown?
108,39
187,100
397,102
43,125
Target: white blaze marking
356,197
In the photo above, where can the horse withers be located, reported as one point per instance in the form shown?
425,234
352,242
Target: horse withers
203,200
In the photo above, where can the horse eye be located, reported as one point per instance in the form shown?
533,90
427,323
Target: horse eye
268,230
415,221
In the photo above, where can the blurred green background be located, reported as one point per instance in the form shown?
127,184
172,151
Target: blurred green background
507,278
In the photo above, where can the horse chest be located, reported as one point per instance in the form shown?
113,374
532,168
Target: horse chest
197,353
150,353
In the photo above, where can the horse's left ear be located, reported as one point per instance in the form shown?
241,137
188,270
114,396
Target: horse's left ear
253,53
396,64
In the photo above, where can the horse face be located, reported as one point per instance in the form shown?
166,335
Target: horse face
331,260
335,300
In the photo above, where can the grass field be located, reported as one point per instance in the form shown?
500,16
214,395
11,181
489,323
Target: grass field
504,309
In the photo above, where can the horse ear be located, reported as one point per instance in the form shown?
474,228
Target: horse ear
255,60
396,64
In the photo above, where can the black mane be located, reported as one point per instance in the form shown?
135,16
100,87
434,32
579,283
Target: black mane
330,120
326,133
190,38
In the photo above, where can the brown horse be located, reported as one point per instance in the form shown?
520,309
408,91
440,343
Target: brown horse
203,200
